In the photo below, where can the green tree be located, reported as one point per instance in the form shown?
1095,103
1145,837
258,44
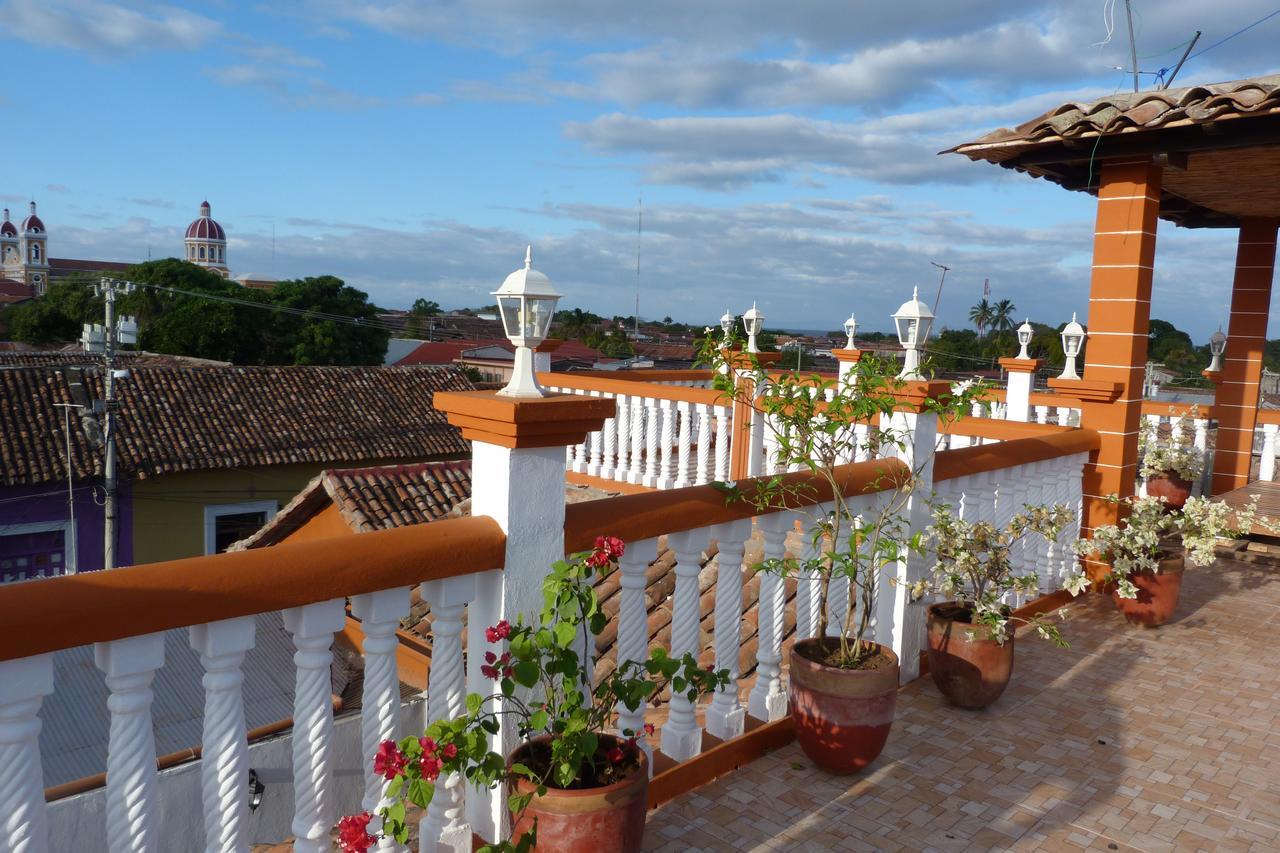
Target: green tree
980,316
315,340
58,316
1002,315
425,307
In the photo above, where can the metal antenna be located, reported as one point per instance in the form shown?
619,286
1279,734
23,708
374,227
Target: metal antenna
639,233
1185,54
938,298
1133,44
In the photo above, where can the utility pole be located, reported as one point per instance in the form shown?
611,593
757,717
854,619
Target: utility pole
1133,44
112,335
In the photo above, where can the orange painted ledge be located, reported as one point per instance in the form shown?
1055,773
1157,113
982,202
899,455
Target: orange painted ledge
519,422
1021,365
1088,390
848,355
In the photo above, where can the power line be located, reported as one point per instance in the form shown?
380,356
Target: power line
1238,32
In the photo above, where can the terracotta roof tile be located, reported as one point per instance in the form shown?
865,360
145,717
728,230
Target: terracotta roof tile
213,417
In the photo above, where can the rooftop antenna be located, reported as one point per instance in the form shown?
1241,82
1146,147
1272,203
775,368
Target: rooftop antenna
938,298
1133,44
1185,54
639,233
273,247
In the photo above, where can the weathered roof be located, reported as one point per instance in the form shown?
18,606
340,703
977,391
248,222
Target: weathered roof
175,419
374,498
72,357
1229,131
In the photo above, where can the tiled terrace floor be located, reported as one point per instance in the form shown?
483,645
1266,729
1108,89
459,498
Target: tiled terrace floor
1132,739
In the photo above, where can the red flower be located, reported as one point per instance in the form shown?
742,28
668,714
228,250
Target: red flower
501,631
611,545
598,560
430,767
496,667
389,761
616,755
428,745
450,751
353,833
648,728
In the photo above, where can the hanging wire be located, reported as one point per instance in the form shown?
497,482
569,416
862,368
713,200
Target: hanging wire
1238,32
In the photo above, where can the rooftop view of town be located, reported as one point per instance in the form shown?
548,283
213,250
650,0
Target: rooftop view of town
604,428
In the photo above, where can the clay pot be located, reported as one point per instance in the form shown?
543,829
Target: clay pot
1171,487
1157,594
842,716
971,673
586,820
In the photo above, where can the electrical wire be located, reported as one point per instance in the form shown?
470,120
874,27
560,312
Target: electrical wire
1238,32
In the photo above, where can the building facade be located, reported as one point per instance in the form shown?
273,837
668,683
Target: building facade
24,251
206,243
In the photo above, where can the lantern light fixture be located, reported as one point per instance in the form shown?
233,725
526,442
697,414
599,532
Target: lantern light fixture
526,302
726,324
850,327
754,322
1217,346
1024,338
1072,340
912,321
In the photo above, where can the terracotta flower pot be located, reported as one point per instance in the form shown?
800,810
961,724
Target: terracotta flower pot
971,673
1171,487
1157,594
842,716
608,819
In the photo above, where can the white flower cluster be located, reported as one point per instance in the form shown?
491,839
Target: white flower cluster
1173,454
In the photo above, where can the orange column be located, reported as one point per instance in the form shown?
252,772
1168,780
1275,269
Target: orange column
1124,249
1236,405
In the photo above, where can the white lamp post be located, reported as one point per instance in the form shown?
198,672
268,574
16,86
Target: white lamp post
526,302
754,321
913,321
726,324
1217,346
850,327
1072,340
1024,338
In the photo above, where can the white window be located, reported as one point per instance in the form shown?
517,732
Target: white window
40,549
225,524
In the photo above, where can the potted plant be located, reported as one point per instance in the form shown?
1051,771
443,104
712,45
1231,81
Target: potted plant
571,780
843,685
1170,465
1144,566
971,635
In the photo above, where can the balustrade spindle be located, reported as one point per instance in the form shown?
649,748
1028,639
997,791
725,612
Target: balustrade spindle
666,444
633,622
1042,414
685,441
768,699
595,443
130,666
1064,415
725,715
24,821
224,759
703,472
379,614
1267,466
313,627
622,470
608,464
723,443
444,826
580,454
681,735
808,585
651,438
862,451
1201,441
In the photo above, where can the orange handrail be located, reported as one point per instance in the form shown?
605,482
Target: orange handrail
648,375
963,461
42,616
998,429
678,393
1159,407
644,516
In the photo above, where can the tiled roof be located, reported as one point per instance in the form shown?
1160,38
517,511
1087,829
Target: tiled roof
71,357
14,291
375,498
61,267
190,419
443,352
1133,112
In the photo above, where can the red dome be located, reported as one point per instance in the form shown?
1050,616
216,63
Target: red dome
206,227
32,223
7,229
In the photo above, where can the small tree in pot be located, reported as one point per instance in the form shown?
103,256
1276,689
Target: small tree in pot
971,637
1171,464
567,752
843,685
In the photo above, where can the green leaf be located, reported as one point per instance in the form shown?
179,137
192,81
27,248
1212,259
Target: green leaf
526,674
566,633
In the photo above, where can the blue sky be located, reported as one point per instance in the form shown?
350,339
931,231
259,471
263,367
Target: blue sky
786,153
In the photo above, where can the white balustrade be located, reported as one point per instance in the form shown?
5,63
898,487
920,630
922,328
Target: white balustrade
666,444
633,622
685,444
639,415
726,715
130,666
1267,466
24,823
706,438
723,442
224,757
313,627
609,463
652,437
768,699
622,467
681,735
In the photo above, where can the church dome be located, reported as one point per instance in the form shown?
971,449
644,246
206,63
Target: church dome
6,227
206,227
32,222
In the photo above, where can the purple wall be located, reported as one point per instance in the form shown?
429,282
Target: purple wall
27,504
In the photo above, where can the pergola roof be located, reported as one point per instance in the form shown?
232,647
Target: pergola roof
1220,143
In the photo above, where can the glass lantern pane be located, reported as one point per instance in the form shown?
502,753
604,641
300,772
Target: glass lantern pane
541,311
509,306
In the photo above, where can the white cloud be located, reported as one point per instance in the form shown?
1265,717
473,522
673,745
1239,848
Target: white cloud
292,88
104,28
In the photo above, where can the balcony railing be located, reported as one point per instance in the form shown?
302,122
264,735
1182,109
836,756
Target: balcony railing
124,613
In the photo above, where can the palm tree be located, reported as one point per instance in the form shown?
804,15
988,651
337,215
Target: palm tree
980,315
1002,315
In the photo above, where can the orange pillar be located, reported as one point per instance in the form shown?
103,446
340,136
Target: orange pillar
1124,249
1236,405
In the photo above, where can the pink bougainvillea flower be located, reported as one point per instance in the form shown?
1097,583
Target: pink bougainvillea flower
449,751
648,728
430,767
428,745
501,631
389,761
353,833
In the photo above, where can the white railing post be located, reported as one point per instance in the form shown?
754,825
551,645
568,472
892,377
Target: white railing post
224,758
622,468
24,822
808,586
444,826
1022,373
724,443
635,471
681,735
379,614
768,699
633,623
667,440
609,464
725,715
704,472
651,437
685,442
1201,426
130,665
595,440
313,627
1267,467
1042,414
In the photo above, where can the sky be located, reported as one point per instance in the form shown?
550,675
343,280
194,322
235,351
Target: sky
783,153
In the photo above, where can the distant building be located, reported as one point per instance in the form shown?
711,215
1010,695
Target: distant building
25,251
207,243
